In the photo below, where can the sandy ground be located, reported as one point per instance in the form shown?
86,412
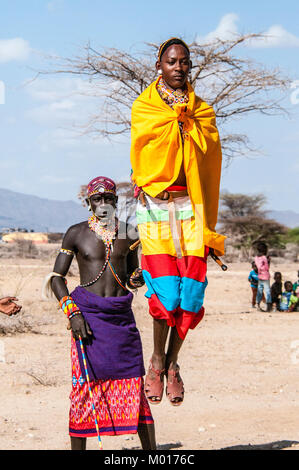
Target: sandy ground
240,368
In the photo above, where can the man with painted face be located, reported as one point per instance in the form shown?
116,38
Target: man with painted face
99,311
176,166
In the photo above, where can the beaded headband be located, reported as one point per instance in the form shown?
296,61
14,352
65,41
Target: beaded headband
101,184
169,43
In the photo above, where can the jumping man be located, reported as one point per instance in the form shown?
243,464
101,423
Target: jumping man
176,163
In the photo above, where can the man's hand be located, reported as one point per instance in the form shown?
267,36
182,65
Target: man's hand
136,279
9,307
80,327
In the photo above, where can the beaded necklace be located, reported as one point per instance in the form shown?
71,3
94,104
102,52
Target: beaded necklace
107,236
171,97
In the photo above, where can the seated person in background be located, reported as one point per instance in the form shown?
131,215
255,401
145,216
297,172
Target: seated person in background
296,286
294,303
276,290
8,306
287,299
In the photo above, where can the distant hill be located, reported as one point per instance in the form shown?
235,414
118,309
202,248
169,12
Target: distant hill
38,214
44,215
288,218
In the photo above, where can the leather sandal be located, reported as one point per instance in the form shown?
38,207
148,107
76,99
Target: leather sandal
154,387
175,388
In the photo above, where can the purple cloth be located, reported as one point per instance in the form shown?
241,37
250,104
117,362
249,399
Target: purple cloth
115,350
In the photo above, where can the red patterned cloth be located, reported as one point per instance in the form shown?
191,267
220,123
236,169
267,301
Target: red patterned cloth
120,405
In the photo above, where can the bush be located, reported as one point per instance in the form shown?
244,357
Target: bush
292,236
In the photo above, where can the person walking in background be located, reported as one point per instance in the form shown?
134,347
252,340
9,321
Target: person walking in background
262,261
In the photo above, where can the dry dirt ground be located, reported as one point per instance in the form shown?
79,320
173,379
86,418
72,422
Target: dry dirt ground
240,368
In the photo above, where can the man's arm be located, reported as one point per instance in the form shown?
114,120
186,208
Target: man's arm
134,273
8,306
62,264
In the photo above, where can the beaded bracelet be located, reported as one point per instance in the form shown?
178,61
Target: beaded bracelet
66,252
69,307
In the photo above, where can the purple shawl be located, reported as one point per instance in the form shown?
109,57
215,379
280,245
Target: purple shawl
115,350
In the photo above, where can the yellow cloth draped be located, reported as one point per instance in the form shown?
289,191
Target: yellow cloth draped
157,153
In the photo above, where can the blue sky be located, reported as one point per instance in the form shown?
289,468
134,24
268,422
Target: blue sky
39,153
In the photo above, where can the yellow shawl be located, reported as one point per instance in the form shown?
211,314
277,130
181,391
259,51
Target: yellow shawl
157,153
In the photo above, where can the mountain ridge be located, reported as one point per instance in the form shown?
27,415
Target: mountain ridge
19,210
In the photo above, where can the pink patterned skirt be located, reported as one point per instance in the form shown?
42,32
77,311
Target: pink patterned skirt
120,404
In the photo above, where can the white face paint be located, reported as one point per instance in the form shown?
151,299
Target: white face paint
105,213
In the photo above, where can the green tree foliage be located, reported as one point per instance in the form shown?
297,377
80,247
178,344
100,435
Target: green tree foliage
292,236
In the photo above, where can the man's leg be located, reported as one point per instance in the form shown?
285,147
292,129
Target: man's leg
174,346
78,443
160,336
146,433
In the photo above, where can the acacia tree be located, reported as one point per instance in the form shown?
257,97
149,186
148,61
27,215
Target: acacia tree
234,85
244,221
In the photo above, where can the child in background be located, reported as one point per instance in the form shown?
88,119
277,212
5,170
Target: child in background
294,303
296,286
253,279
288,300
276,290
262,262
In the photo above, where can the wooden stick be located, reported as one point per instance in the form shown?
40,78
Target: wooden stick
218,260
134,246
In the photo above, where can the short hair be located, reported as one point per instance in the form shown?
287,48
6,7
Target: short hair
262,247
286,283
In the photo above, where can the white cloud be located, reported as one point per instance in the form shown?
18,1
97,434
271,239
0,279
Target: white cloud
275,36
14,49
62,108
226,29
61,101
